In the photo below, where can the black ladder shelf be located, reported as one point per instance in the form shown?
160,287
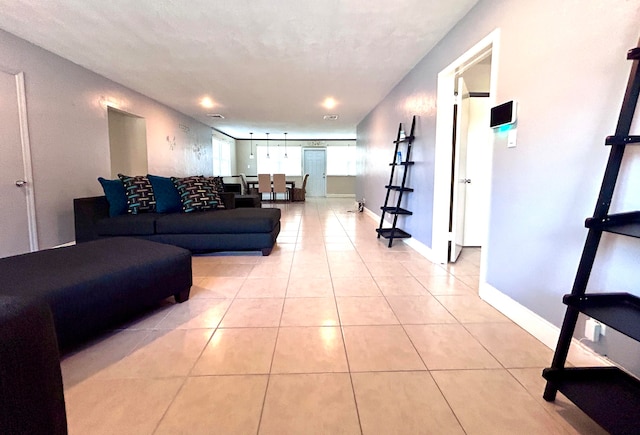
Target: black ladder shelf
398,188
609,395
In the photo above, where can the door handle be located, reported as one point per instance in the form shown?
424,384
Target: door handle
20,183
465,180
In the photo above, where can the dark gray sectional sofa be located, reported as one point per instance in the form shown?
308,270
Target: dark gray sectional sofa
54,299
231,229
91,286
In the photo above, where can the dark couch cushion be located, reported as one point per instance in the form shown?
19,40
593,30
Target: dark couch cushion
167,197
239,220
142,224
140,197
91,285
116,196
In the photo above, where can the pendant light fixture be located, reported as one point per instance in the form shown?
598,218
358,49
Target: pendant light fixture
268,145
251,156
285,146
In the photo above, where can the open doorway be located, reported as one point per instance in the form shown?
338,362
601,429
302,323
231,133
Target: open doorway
463,165
127,143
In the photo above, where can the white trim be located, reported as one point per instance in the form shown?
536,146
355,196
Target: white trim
444,126
64,245
26,161
341,195
420,248
416,245
531,322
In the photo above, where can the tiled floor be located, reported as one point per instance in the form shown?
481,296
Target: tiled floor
333,333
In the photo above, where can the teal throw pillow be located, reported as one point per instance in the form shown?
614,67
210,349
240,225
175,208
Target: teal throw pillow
167,197
116,196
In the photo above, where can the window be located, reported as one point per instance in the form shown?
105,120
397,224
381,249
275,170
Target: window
277,163
221,157
341,160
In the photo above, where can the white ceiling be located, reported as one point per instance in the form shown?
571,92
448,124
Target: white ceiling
267,64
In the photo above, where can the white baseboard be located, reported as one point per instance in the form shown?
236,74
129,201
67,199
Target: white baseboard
531,322
420,248
65,244
340,195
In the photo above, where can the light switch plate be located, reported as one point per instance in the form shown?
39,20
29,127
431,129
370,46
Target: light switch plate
511,138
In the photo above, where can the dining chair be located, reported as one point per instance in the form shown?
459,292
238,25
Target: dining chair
264,185
298,194
280,186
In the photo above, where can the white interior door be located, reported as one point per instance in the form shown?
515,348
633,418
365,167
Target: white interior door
478,160
460,179
315,164
15,171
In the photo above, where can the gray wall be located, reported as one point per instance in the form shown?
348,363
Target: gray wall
70,139
565,64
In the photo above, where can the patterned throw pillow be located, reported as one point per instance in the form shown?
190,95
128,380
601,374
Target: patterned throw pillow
140,197
218,183
197,194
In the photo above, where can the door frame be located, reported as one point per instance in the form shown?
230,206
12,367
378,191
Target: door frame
304,169
490,44
25,144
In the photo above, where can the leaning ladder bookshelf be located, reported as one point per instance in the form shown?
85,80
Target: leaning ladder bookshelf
609,395
398,188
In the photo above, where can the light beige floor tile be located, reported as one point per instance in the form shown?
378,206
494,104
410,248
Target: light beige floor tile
196,313
402,403
387,269
343,256
233,257
283,239
301,287
473,281
271,270
380,348
471,309
263,288
245,313
400,286
493,402
309,404
365,311
511,345
445,285
309,312
309,350
163,353
237,351
355,286
311,270
423,268
237,270
217,287
99,355
119,406
463,268
216,404
419,310
349,269
445,347
562,409
200,269
339,247
314,254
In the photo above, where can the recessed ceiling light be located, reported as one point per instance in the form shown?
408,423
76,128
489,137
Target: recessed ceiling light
330,117
329,103
207,103
215,115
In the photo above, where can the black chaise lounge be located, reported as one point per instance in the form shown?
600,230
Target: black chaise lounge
95,285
